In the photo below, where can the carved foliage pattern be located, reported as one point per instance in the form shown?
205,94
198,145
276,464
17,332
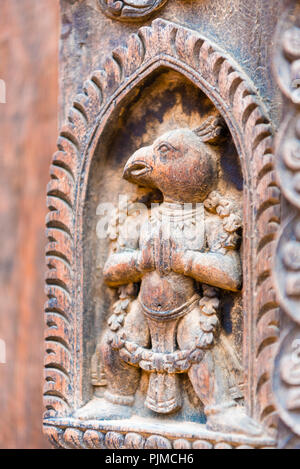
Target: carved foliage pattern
287,267
171,45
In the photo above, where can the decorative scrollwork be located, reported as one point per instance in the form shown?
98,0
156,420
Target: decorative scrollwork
288,268
168,44
288,62
130,10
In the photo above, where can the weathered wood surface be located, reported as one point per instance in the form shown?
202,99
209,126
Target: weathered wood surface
29,32
225,49
286,266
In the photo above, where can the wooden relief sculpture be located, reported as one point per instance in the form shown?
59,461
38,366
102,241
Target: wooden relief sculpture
162,333
130,10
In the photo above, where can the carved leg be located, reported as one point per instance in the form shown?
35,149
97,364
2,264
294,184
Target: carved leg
212,382
122,379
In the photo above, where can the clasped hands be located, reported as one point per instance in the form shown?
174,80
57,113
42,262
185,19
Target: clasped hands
179,260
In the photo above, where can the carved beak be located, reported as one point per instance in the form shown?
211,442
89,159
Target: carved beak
136,169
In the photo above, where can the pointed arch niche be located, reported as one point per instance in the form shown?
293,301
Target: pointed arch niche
166,76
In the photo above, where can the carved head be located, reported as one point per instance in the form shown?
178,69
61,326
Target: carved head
182,163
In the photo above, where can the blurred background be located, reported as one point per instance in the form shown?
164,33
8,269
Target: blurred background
29,37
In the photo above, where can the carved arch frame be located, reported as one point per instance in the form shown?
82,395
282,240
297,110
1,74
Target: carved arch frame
234,95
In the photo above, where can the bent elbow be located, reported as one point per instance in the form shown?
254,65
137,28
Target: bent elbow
234,275
109,278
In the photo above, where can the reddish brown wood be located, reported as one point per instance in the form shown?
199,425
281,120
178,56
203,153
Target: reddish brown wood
286,266
28,122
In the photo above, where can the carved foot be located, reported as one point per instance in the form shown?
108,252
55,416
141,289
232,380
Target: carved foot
101,409
234,420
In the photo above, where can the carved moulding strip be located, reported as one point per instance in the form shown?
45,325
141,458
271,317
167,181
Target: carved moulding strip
286,381
164,44
130,10
72,434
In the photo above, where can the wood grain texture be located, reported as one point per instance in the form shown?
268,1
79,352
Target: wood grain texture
28,49
237,99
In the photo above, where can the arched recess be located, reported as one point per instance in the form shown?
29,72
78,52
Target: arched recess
163,44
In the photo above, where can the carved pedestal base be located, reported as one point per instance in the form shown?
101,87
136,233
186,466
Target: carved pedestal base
139,433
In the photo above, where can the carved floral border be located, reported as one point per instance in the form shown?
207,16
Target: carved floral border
286,379
130,10
216,73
